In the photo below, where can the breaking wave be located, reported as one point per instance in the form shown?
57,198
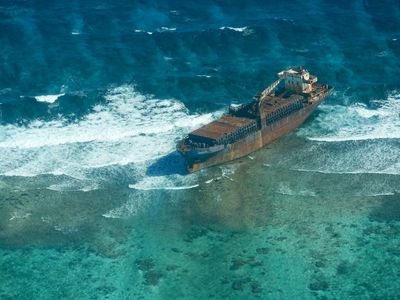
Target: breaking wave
130,208
356,122
388,171
76,186
245,30
49,98
238,29
350,157
354,139
285,189
144,188
128,128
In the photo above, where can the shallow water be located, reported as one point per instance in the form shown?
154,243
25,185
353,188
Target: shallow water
95,202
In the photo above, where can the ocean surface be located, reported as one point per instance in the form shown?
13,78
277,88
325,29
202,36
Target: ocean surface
95,202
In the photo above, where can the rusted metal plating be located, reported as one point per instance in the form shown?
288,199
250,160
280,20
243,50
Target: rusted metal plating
250,126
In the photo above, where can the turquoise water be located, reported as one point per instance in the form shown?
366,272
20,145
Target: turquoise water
95,202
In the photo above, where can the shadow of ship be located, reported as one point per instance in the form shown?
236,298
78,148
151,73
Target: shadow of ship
170,164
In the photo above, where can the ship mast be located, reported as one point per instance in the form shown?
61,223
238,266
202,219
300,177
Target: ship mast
282,75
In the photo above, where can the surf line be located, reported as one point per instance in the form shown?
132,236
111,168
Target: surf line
133,186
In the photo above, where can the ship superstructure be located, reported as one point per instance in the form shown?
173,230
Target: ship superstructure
248,127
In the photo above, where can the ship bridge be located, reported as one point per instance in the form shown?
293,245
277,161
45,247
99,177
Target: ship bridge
297,80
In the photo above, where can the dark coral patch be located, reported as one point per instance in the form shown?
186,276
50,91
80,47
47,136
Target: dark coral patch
343,268
388,211
152,277
262,250
318,286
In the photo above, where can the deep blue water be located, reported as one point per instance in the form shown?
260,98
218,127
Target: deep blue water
95,203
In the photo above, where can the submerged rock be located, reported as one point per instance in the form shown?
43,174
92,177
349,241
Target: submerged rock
224,281
256,287
239,285
388,211
205,254
239,262
343,268
145,264
171,267
320,263
152,277
194,233
318,286
262,250
254,264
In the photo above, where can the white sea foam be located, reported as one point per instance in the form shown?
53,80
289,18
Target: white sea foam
171,182
351,139
5,91
238,29
19,215
301,50
133,206
48,98
75,33
284,19
388,171
382,54
129,128
363,157
380,194
69,187
285,189
167,29
228,171
65,228
59,187
204,75
338,123
149,188
120,212
140,198
216,179
142,31
244,30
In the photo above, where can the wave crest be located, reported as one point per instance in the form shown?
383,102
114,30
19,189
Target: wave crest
48,98
356,122
128,128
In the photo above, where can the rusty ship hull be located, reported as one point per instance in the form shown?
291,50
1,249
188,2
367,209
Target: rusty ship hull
258,129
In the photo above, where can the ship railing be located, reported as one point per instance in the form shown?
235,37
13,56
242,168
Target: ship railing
197,145
283,112
239,134
224,140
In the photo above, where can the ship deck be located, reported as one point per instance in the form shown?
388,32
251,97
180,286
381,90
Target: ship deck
273,103
217,129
